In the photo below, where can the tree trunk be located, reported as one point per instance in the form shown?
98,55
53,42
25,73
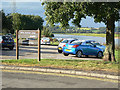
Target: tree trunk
109,54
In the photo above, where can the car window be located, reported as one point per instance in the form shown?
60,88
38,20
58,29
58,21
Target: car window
88,44
6,38
76,42
95,43
64,41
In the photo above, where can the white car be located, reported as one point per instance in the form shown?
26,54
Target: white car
64,41
45,40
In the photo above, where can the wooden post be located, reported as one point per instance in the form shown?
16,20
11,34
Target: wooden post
38,45
17,47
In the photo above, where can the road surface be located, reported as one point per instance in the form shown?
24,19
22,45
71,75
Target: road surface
28,79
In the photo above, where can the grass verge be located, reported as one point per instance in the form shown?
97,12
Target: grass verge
66,64
86,65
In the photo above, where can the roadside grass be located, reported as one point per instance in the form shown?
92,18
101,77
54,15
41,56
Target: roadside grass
54,43
86,65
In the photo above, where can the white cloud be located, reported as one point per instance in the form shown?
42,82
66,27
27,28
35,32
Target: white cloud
21,0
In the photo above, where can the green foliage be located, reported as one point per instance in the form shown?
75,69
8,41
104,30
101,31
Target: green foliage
27,22
16,21
47,32
6,23
63,12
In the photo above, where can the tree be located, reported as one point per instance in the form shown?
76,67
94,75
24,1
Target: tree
26,22
4,22
16,20
107,12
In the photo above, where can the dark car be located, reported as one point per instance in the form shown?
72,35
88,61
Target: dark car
7,42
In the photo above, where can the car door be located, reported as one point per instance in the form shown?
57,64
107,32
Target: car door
91,49
84,48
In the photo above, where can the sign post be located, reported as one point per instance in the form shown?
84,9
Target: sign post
38,45
17,47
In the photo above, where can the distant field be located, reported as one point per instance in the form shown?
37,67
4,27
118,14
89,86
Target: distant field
91,34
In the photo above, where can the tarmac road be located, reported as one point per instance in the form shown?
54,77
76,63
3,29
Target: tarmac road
47,52
21,79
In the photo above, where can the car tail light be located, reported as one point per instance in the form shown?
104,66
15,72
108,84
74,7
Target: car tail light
75,46
2,41
64,45
42,40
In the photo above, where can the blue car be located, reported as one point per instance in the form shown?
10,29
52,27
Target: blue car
81,47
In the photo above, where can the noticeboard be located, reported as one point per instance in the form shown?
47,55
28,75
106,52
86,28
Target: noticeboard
28,34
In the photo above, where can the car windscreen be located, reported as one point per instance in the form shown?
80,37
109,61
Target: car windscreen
64,41
6,38
76,42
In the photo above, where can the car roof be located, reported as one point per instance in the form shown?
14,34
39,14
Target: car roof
90,40
70,39
80,40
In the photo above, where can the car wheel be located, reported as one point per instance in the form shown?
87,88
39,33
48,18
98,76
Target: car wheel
86,56
11,48
79,54
60,51
65,54
100,55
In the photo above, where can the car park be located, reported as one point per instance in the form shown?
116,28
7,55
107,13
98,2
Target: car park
7,42
64,41
81,47
45,40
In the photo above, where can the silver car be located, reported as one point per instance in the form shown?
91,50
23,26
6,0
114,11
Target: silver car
63,42
45,40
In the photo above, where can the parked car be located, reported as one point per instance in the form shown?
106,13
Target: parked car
29,41
65,41
80,47
97,44
25,42
45,40
7,42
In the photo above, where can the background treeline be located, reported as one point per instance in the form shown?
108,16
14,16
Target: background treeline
16,21
70,29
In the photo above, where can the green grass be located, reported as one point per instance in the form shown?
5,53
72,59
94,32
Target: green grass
90,34
67,64
87,65
54,43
